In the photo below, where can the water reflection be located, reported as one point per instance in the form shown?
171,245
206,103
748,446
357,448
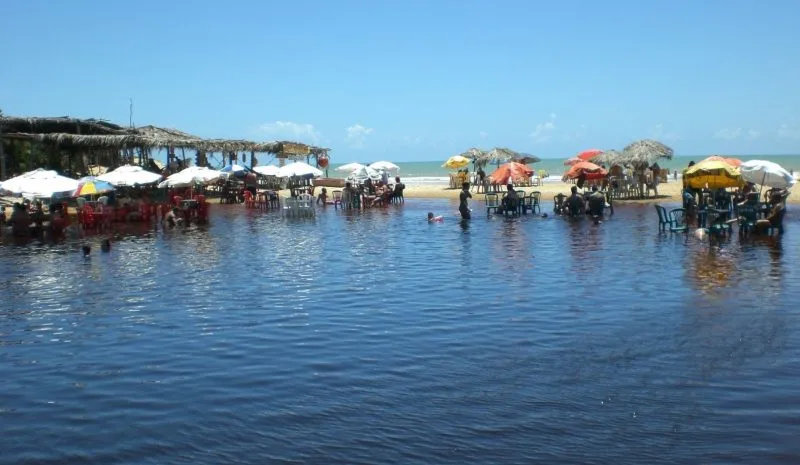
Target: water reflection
375,336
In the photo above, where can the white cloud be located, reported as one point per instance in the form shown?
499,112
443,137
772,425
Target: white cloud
577,134
788,131
728,134
483,134
736,133
659,133
552,116
543,131
357,135
299,132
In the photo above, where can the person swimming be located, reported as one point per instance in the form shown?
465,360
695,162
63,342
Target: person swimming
433,218
86,251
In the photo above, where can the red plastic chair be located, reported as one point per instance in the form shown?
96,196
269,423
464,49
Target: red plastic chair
249,201
87,218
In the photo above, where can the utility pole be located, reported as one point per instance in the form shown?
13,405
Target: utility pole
2,153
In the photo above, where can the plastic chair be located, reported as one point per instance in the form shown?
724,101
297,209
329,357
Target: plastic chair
492,203
249,201
677,220
337,198
663,218
748,216
536,201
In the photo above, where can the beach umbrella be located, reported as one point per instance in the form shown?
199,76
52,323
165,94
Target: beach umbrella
384,165
191,176
511,172
234,169
526,158
455,162
572,161
712,174
361,174
350,167
267,170
587,168
40,183
501,155
299,169
731,161
475,155
90,185
129,175
587,155
609,157
766,173
644,153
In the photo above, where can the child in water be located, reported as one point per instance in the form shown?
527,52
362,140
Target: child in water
434,219
322,198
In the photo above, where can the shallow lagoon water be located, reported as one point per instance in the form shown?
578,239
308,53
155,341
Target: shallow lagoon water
375,337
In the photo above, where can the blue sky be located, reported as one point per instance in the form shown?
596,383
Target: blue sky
419,80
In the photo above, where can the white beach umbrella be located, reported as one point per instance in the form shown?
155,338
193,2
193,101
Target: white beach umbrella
385,166
129,175
766,173
267,170
298,168
350,167
40,183
363,173
191,176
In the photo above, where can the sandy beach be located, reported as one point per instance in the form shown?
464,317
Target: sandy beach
667,192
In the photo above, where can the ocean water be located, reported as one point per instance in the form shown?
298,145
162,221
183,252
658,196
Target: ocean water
432,171
376,338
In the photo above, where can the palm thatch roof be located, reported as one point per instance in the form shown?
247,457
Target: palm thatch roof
473,154
96,134
502,154
646,152
609,158
526,158
65,124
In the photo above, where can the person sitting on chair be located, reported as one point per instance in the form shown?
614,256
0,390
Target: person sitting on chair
597,202
349,194
775,217
171,219
511,200
575,202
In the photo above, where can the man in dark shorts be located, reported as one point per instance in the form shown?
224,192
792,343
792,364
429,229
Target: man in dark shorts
463,207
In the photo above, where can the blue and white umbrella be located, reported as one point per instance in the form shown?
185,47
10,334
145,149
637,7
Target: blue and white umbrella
234,169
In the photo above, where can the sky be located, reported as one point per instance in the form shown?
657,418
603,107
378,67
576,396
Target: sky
418,80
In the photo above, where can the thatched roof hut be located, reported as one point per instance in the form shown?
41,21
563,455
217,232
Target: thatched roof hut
63,124
76,135
644,153
609,158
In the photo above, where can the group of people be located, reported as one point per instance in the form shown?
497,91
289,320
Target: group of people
694,200
592,204
28,219
372,194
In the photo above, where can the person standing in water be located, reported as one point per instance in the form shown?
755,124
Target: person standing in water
463,207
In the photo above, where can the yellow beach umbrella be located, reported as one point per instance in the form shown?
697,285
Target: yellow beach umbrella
456,162
713,174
